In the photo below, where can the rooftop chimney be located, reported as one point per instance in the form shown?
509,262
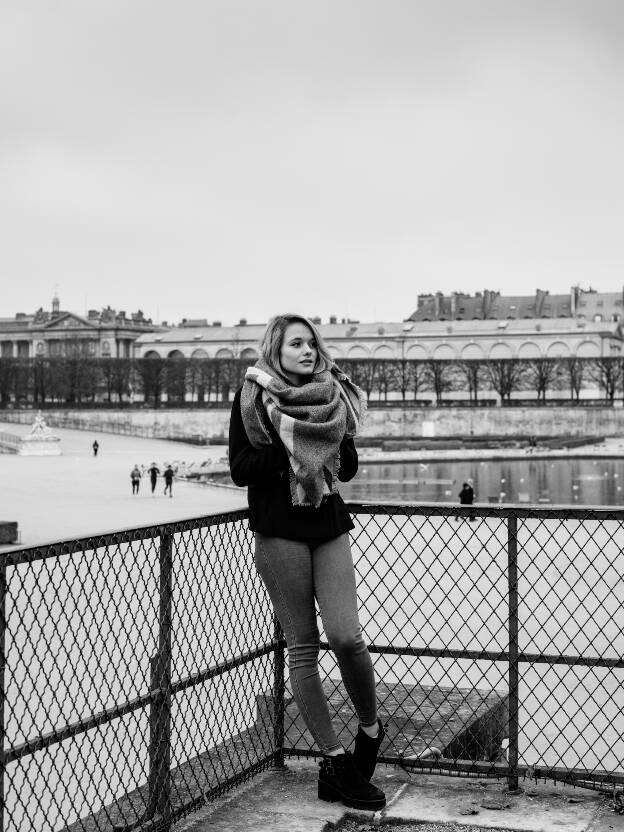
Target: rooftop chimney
574,296
488,302
540,298
437,305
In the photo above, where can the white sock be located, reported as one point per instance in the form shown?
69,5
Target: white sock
371,731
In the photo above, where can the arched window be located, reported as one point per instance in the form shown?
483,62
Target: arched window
358,352
384,351
501,350
249,353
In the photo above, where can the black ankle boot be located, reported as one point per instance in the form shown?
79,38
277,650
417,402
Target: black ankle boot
339,779
365,750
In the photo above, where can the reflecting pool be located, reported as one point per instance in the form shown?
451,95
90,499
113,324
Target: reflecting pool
589,482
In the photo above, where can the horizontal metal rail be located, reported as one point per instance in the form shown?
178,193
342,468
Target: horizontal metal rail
488,655
46,551
498,510
107,715
161,687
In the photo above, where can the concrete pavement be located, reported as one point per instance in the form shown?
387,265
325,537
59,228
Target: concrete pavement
79,495
286,801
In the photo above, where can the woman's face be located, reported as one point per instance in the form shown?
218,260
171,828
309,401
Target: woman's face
298,353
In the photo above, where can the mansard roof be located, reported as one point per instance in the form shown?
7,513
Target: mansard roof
355,331
492,305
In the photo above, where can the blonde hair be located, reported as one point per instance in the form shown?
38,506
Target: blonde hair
273,337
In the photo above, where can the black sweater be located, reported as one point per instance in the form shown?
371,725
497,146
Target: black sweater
265,472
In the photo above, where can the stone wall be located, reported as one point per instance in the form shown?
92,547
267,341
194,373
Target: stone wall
504,421
388,421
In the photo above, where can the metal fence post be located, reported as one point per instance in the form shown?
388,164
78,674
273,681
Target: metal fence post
160,677
3,591
512,582
278,695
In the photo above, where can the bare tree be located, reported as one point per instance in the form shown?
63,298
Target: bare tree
573,371
542,374
362,371
232,374
438,377
408,375
7,379
418,377
40,380
123,374
176,379
606,372
472,372
151,372
505,375
385,377
400,370
23,384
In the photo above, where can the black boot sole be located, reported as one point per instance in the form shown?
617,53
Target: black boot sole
331,794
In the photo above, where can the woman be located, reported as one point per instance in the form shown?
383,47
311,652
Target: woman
291,439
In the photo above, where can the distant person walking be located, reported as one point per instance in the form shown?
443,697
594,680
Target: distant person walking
96,447
153,472
135,477
466,498
168,475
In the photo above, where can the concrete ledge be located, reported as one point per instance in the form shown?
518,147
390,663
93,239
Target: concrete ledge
459,723
287,802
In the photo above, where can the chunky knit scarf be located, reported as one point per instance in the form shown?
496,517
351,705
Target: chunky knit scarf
311,421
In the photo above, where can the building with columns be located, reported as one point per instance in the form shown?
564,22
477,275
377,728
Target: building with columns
586,324
104,333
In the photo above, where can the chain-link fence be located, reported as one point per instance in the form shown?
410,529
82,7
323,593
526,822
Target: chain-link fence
143,671
497,636
138,676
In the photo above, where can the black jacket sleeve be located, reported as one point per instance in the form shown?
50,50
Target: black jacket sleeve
348,460
249,465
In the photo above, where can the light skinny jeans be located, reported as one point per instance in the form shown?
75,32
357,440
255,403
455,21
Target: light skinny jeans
294,574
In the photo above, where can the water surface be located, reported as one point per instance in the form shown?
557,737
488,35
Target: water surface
584,482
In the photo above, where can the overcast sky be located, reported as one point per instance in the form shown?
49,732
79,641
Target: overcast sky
240,158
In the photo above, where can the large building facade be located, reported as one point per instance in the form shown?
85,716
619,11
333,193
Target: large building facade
54,333
487,325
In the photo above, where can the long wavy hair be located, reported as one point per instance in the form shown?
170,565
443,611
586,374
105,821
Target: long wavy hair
273,337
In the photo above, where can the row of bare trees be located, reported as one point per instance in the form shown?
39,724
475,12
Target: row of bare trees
502,376
80,380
